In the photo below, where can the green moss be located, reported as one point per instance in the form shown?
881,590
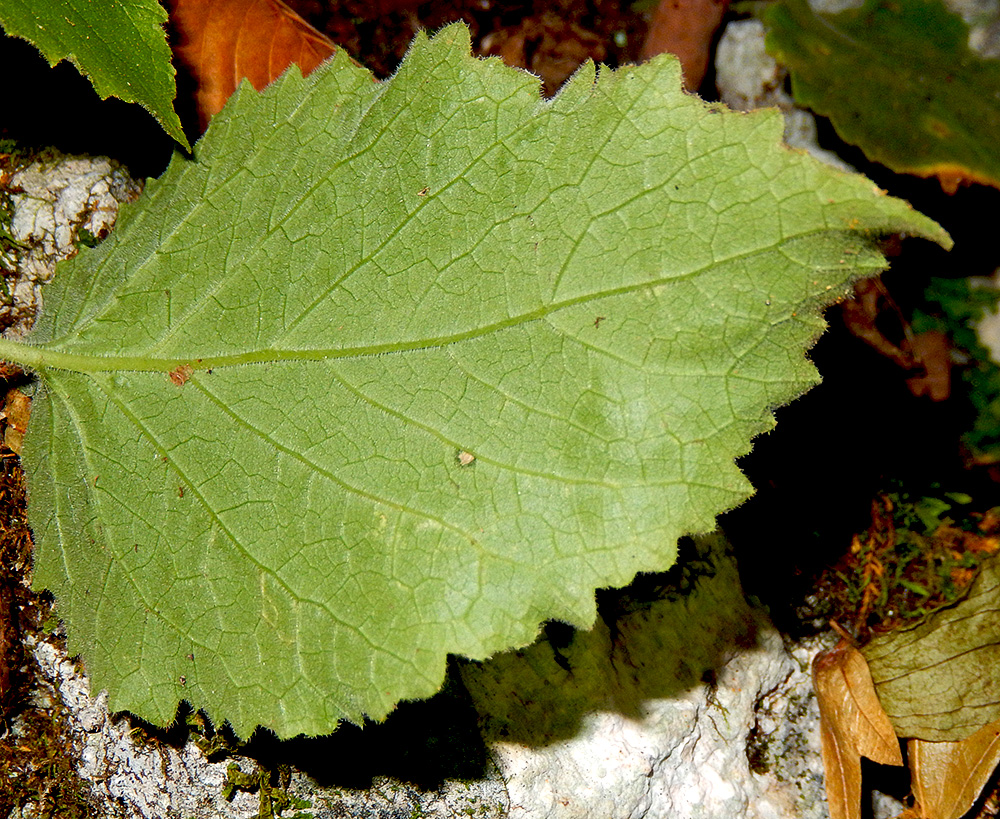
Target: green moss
272,787
37,767
921,552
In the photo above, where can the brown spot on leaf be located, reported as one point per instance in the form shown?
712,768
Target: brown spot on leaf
180,375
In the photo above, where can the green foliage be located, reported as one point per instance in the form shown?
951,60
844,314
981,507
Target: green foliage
120,46
271,788
402,369
920,554
898,80
959,307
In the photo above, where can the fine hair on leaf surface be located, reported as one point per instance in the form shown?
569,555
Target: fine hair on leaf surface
397,370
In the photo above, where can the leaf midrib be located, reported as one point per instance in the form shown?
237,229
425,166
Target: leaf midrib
43,357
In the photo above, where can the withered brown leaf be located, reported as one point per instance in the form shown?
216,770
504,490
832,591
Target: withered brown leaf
685,28
937,679
948,777
852,725
222,41
16,412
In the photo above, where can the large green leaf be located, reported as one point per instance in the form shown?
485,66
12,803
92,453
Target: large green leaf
120,45
445,357
898,80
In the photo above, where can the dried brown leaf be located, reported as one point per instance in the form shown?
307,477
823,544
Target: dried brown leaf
852,725
932,350
220,42
16,412
547,45
862,315
685,28
949,776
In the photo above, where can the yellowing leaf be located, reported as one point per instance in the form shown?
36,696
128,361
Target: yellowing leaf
852,725
938,679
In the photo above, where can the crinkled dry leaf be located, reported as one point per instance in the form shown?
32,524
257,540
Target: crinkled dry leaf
852,725
949,776
16,411
222,42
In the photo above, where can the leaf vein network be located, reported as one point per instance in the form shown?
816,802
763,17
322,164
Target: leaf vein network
522,403
165,452
320,470
386,240
456,445
148,434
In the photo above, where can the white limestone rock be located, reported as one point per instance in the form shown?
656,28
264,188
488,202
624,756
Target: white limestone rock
131,778
660,714
55,198
128,778
988,327
688,704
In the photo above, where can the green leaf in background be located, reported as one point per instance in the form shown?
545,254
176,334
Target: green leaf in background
898,80
402,369
938,680
120,45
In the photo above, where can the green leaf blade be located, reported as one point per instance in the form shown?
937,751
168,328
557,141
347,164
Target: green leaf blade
456,356
899,81
121,47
